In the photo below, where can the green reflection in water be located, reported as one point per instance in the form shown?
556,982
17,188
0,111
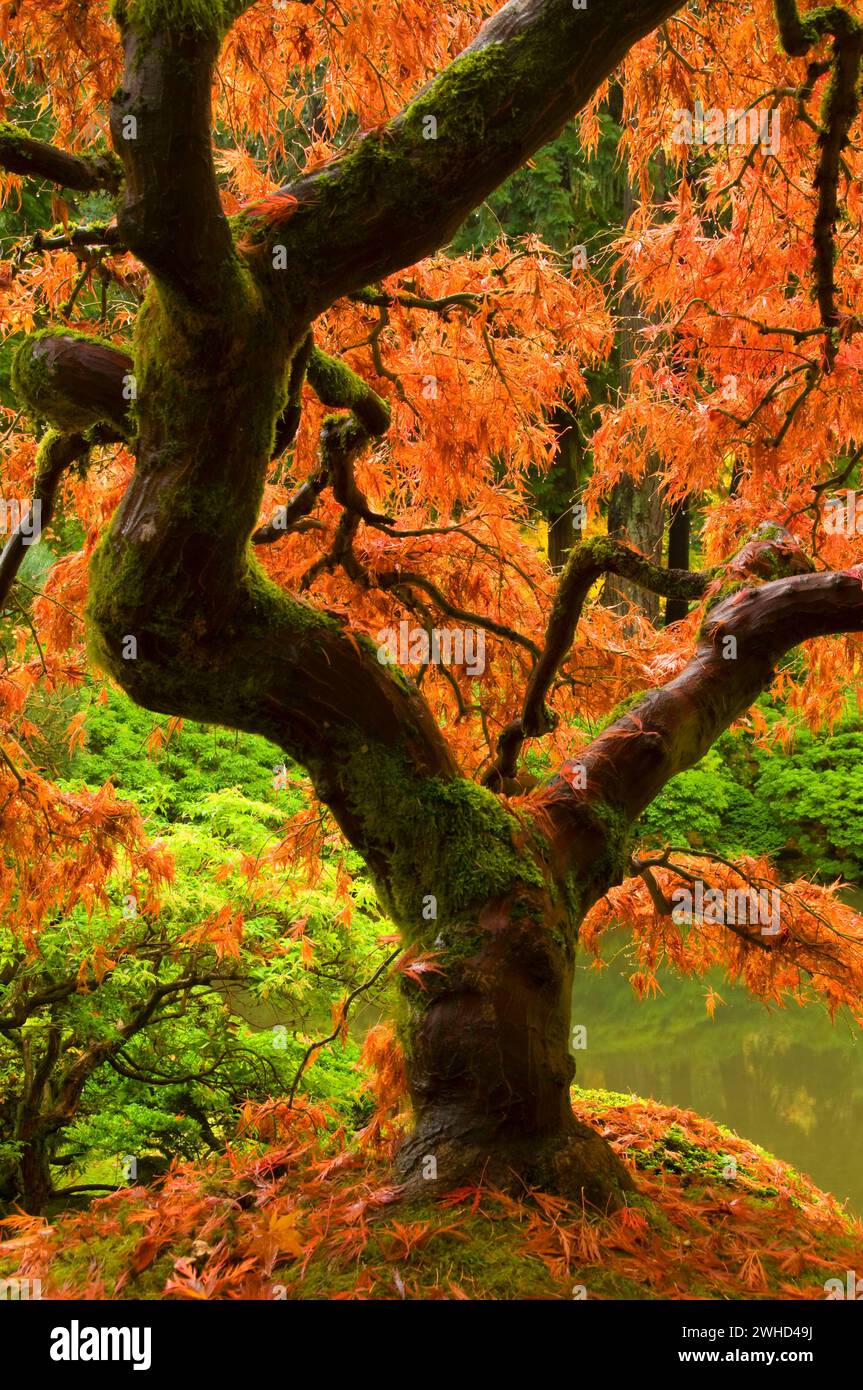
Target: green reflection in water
788,1079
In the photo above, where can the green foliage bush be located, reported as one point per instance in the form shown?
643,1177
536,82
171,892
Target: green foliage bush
178,1087
803,807
192,765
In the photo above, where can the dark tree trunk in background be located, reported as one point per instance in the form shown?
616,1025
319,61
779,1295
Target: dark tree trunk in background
559,538
635,509
34,1172
678,556
564,480
635,515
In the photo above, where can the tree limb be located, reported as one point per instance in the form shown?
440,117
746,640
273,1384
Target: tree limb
401,191
672,727
171,217
21,154
586,564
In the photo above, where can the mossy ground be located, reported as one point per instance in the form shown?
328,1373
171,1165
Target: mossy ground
314,1217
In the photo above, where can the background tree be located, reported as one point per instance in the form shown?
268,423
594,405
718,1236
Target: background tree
133,1037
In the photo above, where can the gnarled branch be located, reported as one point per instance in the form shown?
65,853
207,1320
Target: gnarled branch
841,104
671,728
21,154
585,565
402,190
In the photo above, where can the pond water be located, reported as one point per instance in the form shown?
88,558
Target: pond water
788,1079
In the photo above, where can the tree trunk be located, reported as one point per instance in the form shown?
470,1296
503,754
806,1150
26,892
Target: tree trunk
676,609
562,482
635,511
635,514
489,1065
560,537
34,1175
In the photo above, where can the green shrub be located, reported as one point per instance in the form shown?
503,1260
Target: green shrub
803,807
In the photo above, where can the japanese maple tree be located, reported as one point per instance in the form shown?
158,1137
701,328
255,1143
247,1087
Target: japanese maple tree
297,421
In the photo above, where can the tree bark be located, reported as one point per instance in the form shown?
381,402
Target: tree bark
676,609
635,509
34,1182
20,154
563,481
635,515
489,1063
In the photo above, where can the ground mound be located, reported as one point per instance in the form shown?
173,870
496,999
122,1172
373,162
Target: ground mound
310,1214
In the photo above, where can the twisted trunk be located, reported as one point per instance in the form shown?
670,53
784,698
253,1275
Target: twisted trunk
490,1068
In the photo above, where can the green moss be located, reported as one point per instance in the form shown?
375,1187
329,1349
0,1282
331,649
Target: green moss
215,367
731,586
30,380
45,451
603,550
700,1165
623,707
458,98
488,1261
204,17
109,1257
605,554
799,32
335,384
610,829
12,138
600,1100
452,840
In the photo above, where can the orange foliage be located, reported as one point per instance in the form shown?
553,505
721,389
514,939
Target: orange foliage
724,272
258,1226
813,950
